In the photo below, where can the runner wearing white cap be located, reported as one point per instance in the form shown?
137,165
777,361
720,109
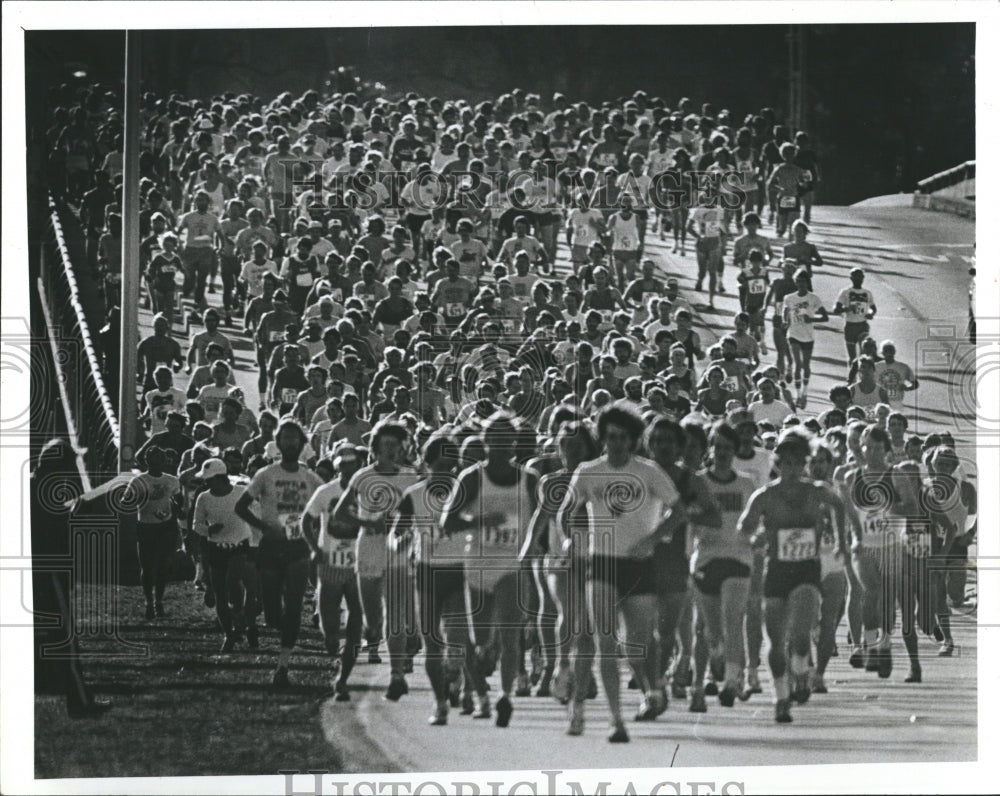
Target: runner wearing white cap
227,538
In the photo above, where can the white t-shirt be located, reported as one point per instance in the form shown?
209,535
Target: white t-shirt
625,504
337,553
253,275
857,303
210,397
283,495
758,467
796,308
774,412
160,402
585,224
709,221
153,496
210,509
891,378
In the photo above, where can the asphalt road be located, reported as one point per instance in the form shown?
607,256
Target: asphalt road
917,264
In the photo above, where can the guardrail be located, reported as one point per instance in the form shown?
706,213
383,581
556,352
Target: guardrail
84,394
955,183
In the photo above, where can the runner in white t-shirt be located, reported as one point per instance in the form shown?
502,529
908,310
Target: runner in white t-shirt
227,543
895,377
584,226
281,492
336,567
628,498
857,305
799,311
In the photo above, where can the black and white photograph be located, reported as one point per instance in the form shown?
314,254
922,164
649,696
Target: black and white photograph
497,398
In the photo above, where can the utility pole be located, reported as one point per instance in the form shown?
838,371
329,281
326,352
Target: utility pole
127,405
796,77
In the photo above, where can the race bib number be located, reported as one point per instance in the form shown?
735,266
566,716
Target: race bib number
796,544
918,544
341,555
731,384
368,299
274,336
624,243
756,287
288,395
876,529
789,202
509,325
304,280
292,523
500,536
178,276
454,309
860,308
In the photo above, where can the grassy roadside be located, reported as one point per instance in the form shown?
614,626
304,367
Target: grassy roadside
180,709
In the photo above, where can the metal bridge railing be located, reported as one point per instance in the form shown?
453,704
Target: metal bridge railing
86,398
955,183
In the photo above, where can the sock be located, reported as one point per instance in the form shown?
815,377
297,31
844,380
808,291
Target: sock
284,657
733,670
781,689
885,642
798,665
871,636
263,398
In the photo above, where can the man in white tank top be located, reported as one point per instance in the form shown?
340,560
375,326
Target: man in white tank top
492,504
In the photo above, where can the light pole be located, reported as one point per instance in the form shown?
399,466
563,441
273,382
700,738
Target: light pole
127,404
796,38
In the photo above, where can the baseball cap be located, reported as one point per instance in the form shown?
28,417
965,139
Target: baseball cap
211,468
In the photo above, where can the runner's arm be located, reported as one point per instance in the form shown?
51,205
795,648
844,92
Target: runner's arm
243,511
830,498
752,514
464,492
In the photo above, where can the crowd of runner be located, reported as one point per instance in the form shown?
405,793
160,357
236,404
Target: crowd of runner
485,425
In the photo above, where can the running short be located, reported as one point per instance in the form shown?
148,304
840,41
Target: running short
578,254
804,347
853,332
707,245
709,578
671,569
631,577
440,582
783,577
279,553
